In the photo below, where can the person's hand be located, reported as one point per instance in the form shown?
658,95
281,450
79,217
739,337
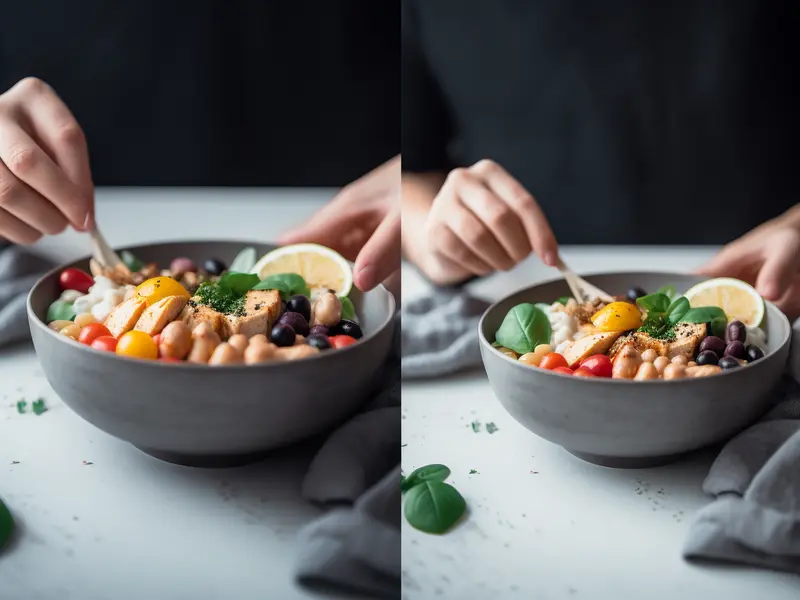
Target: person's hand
483,220
45,181
363,224
768,258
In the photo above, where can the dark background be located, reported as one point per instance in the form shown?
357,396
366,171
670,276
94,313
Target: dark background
212,92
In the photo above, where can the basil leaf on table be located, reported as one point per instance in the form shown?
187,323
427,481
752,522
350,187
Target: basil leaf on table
655,303
288,284
6,524
60,310
244,261
524,328
348,310
433,506
677,310
668,291
131,261
238,283
427,473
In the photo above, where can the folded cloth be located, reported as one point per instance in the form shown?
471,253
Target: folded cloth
440,333
355,547
19,270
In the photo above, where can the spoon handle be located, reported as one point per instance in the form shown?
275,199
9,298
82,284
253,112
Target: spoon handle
582,290
102,252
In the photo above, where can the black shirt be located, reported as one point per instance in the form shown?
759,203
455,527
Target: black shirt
212,92
630,122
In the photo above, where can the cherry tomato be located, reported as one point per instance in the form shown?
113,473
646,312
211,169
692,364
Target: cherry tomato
553,360
75,279
583,372
106,343
598,364
617,316
158,288
564,370
340,341
91,332
157,338
137,344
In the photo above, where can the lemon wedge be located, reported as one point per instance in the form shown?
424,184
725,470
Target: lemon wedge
738,299
321,267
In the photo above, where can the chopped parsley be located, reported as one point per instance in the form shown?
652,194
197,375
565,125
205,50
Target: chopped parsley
491,428
221,299
476,426
473,472
21,404
659,330
39,406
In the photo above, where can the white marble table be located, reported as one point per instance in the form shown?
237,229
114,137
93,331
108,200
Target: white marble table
122,525
541,523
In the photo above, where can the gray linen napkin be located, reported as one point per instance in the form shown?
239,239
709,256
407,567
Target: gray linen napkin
19,270
355,547
755,518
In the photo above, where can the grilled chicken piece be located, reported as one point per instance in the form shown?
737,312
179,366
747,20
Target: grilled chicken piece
125,315
156,317
261,310
687,338
196,313
594,343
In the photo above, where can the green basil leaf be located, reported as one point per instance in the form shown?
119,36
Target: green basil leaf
6,524
524,328
677,309
703,314
238,283
348,310
131,261
718,326
60,310
656,303
668,291
244,261
428,473
288,284
563,300
433,506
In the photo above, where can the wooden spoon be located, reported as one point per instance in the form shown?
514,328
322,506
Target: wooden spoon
103,256
582,290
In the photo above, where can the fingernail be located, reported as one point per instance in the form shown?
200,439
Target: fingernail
88,222
363,278
550,258
769,291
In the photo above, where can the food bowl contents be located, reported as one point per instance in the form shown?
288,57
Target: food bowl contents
640,336
214,314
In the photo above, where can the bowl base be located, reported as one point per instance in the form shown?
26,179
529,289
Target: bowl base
628,462
207,461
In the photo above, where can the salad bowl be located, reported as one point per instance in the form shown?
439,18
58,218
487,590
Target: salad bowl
204,415
623,422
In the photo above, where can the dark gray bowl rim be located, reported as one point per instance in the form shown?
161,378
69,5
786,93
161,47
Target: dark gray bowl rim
624,382
104,355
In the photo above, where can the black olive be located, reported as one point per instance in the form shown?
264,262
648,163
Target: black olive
282,335
300,304
728,362
347,327
296,321
754,353
634,293
318,341
707,357
214,266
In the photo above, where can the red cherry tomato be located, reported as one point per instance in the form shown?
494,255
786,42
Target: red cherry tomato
552,361
105,343
75,279
91,332
564,370
599,364
583,372
340,341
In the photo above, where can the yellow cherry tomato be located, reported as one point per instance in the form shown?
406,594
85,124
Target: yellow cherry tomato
617,316
158,288
137,344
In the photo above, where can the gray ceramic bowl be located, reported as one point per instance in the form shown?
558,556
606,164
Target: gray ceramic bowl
630,423
211,416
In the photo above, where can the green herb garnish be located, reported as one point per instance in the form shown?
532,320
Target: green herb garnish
348,310
21,404
476,426
491,428
131,261
563,300
473,472
431,505
244,261
220,299
524,328
663,314
288,284
39,406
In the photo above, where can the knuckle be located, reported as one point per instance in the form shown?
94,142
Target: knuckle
70,134
22,161
500,217
485,165
457,176
31,85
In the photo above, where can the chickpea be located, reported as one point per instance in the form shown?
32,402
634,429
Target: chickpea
299,339
703,370
202,330
71,331
239,341
203,347
258,338
259,352
647,370
691,363
508,352
225,354
59,325
680,360
85,319
649,355
661,363
175,340
626,364
674,371
327,310
295,352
